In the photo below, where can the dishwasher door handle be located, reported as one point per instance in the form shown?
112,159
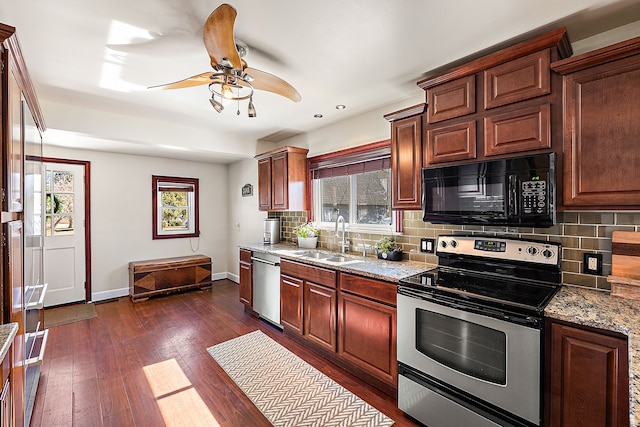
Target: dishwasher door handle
264,261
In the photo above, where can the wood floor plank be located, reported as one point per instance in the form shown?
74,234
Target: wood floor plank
145,364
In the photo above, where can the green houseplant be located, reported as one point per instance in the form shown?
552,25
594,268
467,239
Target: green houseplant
388,249
307,235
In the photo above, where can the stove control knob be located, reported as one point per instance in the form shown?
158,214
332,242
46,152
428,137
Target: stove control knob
454,243
532,250
443,244
547,253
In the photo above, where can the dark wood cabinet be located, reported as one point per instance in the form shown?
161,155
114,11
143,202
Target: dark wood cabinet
320,315
367,326
167,275
504,103
18,107
601,127
406,157
307,306
291,294
587,378
348,319
246,278
282,177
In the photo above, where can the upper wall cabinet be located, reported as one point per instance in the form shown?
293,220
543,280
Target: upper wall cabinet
601,127
282,178
406,157
504,103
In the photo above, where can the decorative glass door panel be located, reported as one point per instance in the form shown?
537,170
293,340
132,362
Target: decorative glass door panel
60,214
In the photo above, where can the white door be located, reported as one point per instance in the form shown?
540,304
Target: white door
64,243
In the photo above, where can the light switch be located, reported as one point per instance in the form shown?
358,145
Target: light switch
426,245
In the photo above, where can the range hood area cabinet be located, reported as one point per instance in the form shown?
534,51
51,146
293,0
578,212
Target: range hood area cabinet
601,127
406,156
282,179
504,103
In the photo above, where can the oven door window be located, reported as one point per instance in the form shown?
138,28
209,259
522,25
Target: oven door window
464,346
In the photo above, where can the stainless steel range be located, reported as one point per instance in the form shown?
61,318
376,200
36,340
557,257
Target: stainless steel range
470,332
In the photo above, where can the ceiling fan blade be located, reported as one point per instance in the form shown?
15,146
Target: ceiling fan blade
200,79
271,83
218,36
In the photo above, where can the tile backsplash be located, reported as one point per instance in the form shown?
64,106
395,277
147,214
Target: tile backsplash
578,232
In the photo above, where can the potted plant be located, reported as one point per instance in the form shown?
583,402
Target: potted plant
388,249
307,235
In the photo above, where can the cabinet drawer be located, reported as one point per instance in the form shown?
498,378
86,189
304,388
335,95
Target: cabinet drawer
517,80
369,288
517,131
311,273
245,255
452,99
451,143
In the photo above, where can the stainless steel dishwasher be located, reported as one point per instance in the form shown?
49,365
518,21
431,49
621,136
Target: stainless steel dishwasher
266,287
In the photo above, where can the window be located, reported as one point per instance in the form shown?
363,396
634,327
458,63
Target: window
175,207
59,199
355,184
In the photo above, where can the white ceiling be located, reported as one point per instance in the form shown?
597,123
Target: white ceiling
364,54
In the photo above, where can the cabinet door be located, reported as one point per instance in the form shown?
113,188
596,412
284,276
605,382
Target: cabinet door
589,378
320,308
264,184
518,80
406,163
279,182
14,149
601,128
453,99
451,143
13,278
246,283
518,131
291,290
367,336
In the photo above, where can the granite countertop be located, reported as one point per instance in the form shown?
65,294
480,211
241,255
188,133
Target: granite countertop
391,271
7,334
601,310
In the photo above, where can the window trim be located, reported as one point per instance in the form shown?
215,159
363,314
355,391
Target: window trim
359,154
172,180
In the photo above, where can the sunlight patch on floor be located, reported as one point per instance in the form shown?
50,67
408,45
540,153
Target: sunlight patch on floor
179,403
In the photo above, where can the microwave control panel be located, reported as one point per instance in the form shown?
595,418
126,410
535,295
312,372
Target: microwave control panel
534,197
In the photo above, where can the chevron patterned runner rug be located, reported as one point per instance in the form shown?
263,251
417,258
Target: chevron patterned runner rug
289,391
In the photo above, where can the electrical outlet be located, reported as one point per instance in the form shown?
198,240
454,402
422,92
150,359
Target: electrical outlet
592,264
427,245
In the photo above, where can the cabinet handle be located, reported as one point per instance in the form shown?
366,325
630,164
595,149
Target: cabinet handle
38,359
39,305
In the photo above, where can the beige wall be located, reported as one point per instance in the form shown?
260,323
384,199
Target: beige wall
121,215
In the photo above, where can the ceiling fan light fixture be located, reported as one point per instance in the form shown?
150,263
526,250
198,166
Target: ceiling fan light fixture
216,105
227,92
251,109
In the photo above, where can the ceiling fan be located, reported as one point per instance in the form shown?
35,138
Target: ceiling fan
231,77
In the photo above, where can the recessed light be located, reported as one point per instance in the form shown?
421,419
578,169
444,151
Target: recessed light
340,107
317,116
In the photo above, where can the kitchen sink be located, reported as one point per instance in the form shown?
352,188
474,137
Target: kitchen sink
328,257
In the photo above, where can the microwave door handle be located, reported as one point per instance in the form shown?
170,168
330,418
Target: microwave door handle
512,207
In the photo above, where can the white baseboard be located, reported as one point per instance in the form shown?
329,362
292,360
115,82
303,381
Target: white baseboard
110,294
123,292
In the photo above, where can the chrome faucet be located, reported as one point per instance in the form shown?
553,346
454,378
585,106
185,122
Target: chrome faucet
344,245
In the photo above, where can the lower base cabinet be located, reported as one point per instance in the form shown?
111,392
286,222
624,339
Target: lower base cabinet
349,320
587,377
246,278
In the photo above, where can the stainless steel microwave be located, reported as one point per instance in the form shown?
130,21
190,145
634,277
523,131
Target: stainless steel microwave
516,191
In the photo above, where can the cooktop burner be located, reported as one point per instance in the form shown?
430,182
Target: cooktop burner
507,274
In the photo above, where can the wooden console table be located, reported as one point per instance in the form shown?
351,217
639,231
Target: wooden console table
167,275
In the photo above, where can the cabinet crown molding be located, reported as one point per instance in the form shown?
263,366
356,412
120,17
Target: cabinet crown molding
406,112
599,56
285,149
556,38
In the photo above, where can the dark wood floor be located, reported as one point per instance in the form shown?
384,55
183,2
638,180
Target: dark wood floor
146,364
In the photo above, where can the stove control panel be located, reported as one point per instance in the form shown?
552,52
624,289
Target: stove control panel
506,249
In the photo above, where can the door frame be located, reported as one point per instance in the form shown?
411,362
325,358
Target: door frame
87,217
